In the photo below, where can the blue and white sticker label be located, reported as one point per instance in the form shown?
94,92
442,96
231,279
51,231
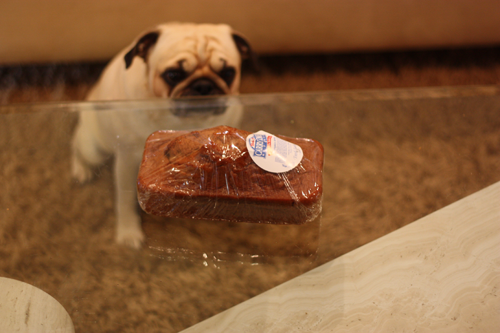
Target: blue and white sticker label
272,153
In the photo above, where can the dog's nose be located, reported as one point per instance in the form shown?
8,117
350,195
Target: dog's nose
204,87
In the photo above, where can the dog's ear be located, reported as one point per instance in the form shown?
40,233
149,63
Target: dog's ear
244,48
242,45
141,48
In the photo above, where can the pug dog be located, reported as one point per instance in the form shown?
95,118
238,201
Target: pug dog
171,60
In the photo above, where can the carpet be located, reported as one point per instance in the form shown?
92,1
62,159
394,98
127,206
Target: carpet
384,172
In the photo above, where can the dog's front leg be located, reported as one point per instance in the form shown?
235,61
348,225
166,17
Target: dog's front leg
128,226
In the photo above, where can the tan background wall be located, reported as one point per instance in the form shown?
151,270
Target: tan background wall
70,30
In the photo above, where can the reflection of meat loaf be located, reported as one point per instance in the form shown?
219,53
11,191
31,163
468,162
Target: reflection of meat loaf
209,174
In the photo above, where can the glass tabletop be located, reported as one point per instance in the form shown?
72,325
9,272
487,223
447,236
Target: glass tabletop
391,157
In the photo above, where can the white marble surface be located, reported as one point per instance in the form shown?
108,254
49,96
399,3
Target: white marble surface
438,274
25,308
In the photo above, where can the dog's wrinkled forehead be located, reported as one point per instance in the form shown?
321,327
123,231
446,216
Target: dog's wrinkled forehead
190,45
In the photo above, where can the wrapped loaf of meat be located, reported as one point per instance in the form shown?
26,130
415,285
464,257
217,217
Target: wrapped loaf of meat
209,174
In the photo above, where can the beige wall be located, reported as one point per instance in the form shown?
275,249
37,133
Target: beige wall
71,30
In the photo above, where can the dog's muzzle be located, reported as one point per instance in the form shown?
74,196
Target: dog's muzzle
202,87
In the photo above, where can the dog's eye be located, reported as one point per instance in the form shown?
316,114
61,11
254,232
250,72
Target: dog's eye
228,74
174,76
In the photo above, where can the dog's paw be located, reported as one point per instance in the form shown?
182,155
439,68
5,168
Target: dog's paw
131,237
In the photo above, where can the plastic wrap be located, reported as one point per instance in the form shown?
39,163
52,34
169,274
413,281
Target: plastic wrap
209,174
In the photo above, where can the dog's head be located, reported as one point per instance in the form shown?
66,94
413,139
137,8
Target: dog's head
191,59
